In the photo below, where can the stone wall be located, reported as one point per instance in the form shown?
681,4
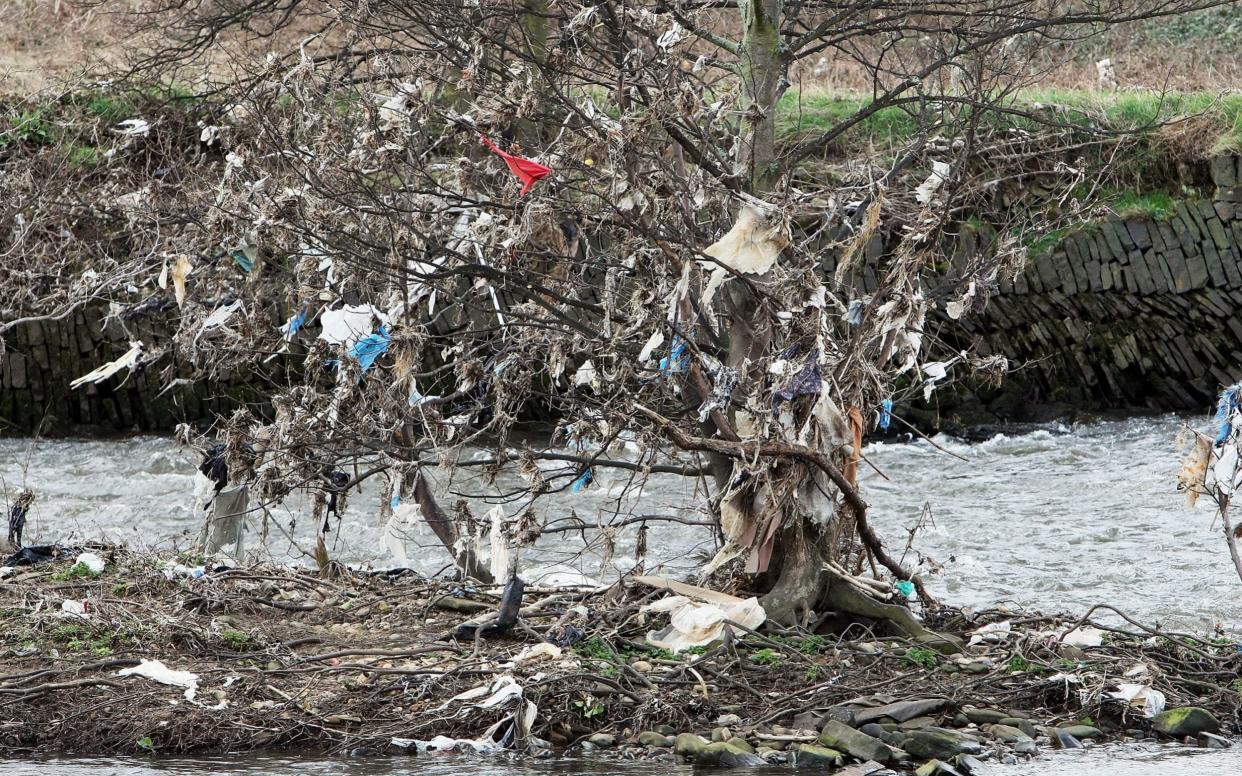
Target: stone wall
43,358
1134,313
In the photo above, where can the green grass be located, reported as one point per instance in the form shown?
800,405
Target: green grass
1157,205
595,648
31,126
1044,243
110,108
79,638
767,657
807,645
803,115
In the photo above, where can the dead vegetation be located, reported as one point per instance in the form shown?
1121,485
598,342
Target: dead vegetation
287,659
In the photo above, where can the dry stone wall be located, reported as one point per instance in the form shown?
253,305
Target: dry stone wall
44,357
1131,313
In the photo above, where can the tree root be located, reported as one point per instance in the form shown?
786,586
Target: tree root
844,598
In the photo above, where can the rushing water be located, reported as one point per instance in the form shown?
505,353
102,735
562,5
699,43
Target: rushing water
1133,760
1055,520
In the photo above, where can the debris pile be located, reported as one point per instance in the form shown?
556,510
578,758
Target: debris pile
235,659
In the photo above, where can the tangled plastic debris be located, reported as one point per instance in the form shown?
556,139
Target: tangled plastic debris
1140,696
71,608
528,171
366,350
992,633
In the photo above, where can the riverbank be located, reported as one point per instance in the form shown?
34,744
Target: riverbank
271,658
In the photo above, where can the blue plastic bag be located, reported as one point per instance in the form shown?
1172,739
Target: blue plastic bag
371,347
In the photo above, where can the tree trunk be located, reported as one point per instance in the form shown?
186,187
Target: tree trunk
792,531
797,551
761,67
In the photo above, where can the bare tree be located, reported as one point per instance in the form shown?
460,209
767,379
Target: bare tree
681,267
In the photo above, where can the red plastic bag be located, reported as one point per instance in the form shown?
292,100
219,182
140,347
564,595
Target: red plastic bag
527,171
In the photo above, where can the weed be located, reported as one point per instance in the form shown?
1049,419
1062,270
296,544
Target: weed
1158,205
699,650
1018,665
76,571
30,126
921,656
807,645
1044,243
110,108
590,707
85,156
814,673
78,638
767,657
595,648
146,743
238,641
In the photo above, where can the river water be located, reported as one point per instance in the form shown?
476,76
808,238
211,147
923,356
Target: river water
1053,520
1130,760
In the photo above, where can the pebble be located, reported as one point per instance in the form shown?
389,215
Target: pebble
602,740
1213,741
652,738
642,666
729,720
984,716
1185,721
813,756
1083,731
1023,724
1025,746
1007,734
727,754
689,745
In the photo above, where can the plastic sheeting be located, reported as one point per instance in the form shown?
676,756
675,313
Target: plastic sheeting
156,671
128,360
696,623
528,171
750,247
346,325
